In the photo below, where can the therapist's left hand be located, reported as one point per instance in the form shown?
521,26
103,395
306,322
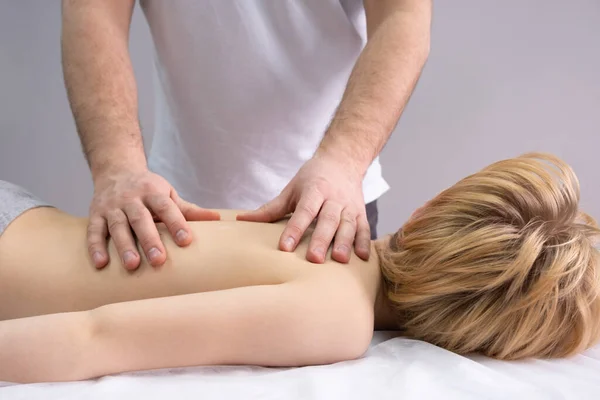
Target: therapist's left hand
330,190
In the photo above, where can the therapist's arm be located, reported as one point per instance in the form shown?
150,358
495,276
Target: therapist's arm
100,83
291,324
329,186
103,95
382,81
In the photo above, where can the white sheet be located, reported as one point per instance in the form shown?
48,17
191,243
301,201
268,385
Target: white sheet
393,368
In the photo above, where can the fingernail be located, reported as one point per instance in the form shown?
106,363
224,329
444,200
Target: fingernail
342,248
153,254
97,257
319,251
181,235
128,256
289,243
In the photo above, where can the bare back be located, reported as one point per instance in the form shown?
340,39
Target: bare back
45,267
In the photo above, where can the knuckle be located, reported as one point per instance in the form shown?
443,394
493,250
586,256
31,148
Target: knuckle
364,234
94,247
349,218
330,217
307,209
362,221
116,220
174,226
136,215
267,210
295,230
364,226
147,242
114,224
148,186
321,241
350,222
345,234
123,244
94,229
162,205
136,219
316,192
319,185
94,236
99,207
346,241
127,196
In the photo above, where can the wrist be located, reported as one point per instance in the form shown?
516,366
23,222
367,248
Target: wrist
355,159
108,168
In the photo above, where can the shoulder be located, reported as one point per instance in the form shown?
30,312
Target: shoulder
341,308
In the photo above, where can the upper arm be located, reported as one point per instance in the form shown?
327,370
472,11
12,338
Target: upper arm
290,324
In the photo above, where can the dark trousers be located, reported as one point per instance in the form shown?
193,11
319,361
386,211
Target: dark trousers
373,217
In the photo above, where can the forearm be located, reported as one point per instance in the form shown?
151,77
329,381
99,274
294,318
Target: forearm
381,82
100,82
45,349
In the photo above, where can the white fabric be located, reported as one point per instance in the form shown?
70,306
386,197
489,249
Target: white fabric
394,368
245,90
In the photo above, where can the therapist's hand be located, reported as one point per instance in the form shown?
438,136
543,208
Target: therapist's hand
330,190
129,202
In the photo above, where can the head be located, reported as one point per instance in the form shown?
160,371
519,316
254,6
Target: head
503,263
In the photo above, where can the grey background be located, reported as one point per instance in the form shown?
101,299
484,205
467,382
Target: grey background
503,78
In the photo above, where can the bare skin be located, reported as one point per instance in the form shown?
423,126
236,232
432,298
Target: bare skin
329,186
103,97
232,281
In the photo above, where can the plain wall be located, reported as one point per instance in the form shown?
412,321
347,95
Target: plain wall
503,78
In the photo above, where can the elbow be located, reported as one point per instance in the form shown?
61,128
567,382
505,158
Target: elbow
90,357
350,339
87,358
350,320
333,349
351,351
356,343
346,347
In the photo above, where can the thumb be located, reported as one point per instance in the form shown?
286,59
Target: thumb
272,211
193,212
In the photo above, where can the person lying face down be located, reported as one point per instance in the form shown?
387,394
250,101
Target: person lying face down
503,263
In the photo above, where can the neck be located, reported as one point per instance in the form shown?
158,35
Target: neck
384,316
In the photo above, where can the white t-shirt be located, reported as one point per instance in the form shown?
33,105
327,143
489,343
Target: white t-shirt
245,90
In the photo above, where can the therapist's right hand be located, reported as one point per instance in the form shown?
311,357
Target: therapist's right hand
127,203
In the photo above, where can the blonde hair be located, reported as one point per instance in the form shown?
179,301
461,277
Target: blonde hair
502,263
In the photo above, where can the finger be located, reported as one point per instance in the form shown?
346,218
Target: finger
344,238
96,239
362,242
327,224
168,212
120,231
143,225
193,212
306,211
272,211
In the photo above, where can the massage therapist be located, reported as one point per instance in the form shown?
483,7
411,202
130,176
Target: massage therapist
276,106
